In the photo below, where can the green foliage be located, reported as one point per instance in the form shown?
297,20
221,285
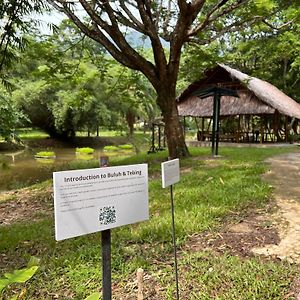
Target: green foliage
64,86
10,117
31,134
94,296
18,276
85,150
270,54
126,147
111,148
15,19
45,154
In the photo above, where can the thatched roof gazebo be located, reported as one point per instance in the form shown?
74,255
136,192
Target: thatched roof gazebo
254,97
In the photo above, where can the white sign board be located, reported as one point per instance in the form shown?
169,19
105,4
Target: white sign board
91,200
170,172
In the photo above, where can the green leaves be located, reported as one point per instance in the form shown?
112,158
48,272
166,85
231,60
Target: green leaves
10,117
18,276
94,296
264,6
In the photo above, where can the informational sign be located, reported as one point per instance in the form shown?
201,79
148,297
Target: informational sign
91,200
170,172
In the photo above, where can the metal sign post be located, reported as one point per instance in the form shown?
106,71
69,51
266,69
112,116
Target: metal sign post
106,250
170,175
174,243
99,199
106,264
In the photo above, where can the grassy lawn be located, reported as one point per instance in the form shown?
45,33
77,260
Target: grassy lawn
31,133
210,190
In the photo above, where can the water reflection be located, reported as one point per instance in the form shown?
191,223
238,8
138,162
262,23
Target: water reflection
20,168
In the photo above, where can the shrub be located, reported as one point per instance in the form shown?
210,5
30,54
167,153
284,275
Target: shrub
126,147
85,150
45,154
111,148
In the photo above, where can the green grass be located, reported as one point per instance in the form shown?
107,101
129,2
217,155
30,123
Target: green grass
31,134
208,192
229,277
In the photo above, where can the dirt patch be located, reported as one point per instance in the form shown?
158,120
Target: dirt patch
284,175
151,289
237,238
26,204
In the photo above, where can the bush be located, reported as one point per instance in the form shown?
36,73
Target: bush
111,149
85,150
45,154
126,147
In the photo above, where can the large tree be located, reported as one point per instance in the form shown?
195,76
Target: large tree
177,22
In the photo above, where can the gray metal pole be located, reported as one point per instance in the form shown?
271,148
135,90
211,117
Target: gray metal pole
218,123
215,108
106,251
174,243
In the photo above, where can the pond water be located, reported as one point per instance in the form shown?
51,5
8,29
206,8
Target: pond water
20,168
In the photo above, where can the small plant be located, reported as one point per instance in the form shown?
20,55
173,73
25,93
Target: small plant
94,296
111,149
19,276
126,147
45,154
85,150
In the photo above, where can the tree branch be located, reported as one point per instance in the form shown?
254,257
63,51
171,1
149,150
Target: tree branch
281,26
158,51
233,27
210,18
187,15
114,42
134,20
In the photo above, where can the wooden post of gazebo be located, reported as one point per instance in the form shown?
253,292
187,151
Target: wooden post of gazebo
276,124
261,129
286,129
238,129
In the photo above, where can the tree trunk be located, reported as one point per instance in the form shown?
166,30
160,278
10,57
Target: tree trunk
173,128
130,118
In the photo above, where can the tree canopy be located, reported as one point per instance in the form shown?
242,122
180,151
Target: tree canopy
66,83
16,20
180,22
69,77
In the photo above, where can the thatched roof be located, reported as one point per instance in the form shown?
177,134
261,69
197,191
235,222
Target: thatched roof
255,96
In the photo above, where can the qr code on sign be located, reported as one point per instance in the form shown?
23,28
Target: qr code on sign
107,215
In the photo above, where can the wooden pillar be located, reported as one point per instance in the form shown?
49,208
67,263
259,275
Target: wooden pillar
286,129
184,127
261,129
248,128
276,124
239,129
